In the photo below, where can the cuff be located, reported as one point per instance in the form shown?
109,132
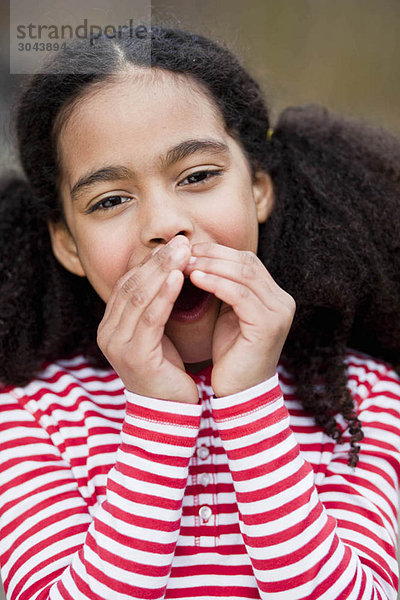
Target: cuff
154,410
246,401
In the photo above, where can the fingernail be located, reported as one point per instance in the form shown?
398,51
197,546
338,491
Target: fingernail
179,253
177,241
192,260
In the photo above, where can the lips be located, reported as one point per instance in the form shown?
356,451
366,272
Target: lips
191,303
189,296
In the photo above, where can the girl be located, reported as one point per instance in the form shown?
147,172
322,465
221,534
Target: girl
148,448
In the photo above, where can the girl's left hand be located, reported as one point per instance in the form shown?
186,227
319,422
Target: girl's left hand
254,320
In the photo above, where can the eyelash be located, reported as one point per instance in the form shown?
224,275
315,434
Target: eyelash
214,173
100,205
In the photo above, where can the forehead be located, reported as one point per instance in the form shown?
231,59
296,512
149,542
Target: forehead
142,108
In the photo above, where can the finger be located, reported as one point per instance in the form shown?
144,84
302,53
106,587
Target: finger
116,289
157,258
149,327
248,271
214,250
140,289
217,251
246,304
141,283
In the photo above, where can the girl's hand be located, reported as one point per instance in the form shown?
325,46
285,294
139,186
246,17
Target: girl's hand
254,320
131,333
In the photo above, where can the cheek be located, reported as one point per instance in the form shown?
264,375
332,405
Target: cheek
238,226
104,260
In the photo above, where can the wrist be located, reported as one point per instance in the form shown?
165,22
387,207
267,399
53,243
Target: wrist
232,387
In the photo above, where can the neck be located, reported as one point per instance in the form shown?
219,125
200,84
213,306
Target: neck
196,367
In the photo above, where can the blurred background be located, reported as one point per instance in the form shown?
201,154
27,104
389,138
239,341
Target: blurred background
344,54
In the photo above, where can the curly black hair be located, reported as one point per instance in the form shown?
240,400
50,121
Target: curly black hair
332,240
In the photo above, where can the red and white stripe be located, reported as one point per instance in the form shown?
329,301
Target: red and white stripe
106,495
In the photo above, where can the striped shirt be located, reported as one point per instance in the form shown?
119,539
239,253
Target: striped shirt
109,495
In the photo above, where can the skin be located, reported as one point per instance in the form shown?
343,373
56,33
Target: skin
162,225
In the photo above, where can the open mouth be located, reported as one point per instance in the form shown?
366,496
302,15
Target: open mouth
191,304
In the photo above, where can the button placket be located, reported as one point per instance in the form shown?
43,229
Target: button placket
205,513
203,452
204,460
204,479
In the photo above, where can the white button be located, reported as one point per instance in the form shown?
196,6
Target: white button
205,513
204,479
203,452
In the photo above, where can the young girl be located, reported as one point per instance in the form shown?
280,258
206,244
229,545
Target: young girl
148,447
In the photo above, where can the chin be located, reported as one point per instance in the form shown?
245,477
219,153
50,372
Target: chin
193,338
194,355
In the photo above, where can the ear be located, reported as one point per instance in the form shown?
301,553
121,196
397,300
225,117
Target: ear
263,192
64,248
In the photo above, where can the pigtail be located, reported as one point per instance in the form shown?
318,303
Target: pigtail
36,293
330,243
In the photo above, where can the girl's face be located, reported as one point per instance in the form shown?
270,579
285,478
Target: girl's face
144,159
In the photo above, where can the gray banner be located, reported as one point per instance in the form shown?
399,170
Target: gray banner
40,29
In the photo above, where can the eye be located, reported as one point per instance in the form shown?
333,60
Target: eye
109,203
200,177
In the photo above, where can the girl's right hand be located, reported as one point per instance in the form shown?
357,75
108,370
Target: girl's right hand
131,333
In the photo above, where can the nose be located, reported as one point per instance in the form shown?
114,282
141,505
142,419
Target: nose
164,218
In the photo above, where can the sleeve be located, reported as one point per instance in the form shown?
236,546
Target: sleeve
52,548
335,540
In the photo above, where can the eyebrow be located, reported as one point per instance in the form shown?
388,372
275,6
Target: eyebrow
173,155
